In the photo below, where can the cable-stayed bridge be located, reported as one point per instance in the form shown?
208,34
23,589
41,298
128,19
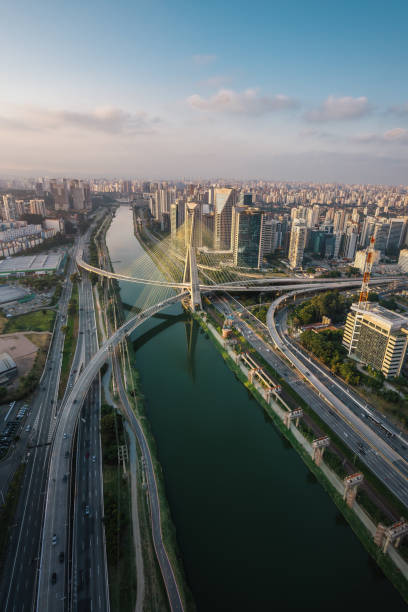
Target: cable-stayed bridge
168,278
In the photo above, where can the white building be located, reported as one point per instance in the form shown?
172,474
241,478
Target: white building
359,260
297,243
403,260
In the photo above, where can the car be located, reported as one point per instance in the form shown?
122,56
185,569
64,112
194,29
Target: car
86,510
61,557
93,458
54,578
64,478
65,436
28,427
54,539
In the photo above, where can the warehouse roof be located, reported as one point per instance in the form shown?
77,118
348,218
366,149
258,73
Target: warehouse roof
30,263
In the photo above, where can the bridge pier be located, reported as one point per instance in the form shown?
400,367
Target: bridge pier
351,484
384,536
319,444
292,415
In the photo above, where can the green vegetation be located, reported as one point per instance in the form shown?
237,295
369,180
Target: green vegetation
384,562
327,347
117,519
45,282
352,271
8,510
330,274
71,333
260,312
40,320
330,304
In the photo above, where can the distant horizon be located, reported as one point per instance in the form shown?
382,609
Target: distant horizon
192,179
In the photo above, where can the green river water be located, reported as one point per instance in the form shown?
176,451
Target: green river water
255,530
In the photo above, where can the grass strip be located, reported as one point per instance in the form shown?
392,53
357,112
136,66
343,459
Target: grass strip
117,519
71,334
384,561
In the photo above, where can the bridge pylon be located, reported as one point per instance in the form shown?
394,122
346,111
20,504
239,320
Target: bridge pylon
190,268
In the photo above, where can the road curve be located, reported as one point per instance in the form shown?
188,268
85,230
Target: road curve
391,473
56,488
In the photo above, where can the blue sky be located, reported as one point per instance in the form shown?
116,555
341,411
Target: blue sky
291,90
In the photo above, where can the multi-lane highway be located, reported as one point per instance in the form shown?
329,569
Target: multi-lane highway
386,458
374,450
88,585
75,568
56,514
19,577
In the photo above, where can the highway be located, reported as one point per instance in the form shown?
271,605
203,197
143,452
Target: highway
19,577
56,511
388,463
74,556
354,431
88,585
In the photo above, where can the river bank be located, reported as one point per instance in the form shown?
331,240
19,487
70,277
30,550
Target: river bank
253,528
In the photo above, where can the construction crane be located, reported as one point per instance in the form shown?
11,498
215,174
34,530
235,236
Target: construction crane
368,264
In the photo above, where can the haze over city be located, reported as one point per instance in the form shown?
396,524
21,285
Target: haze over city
282,91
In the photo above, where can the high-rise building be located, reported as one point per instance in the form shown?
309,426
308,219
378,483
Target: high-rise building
59,191
350,241
8,211
37,207
377,337
77,196
224,200
360,259
245,199
272,236
297,243
338,221
396,234
403,260
381,231
246,240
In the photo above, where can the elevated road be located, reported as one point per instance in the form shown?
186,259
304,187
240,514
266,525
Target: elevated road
388,463
55,517
278,283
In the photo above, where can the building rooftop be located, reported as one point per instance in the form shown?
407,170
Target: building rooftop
6,363
393,321
30,263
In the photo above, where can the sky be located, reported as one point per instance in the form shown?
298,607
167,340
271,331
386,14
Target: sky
294,90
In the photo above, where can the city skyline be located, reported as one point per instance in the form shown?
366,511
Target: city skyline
307,94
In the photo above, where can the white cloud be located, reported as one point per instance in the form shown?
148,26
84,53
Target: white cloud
105,119
395,135
340,109
214,81
315,133
401,109
203,59
247,102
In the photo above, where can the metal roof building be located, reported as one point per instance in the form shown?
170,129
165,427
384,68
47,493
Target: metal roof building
29,264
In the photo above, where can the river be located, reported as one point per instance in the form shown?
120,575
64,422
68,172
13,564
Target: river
255,530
